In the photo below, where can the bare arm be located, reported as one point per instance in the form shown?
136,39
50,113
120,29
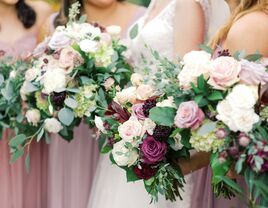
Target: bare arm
189,31
250,34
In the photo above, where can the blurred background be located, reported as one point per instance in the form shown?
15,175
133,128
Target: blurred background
55,3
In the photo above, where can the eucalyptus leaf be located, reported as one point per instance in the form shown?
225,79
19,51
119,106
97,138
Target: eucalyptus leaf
134,31
74,90
17,140
16,155
29,87
40,134
71,103
27,163
7,92
206,128
66,116
2,79
254,57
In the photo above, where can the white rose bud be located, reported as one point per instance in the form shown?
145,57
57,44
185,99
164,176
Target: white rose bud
126,95
149,126
177,143
114,30
136,79
13,74
33,116
52,125
31,74
108,83
89,46
144,92
124,156
54,79
167,103
99,124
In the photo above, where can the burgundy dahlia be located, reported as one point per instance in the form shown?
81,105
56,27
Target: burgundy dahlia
153,151
58,98
162,133
148,105
145,171
120,114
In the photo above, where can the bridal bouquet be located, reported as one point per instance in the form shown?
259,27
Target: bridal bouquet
142,133
73,76
11,79
232,93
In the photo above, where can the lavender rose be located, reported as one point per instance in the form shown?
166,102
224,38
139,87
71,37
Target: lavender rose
189,115
59,40
253,73
137,109
153,151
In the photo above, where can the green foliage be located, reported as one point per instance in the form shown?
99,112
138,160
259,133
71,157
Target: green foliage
163,115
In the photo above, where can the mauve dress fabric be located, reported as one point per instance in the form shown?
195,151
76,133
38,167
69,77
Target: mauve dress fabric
71,165
17,188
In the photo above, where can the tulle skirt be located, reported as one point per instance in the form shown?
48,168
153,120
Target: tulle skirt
111,190
71,169
17,188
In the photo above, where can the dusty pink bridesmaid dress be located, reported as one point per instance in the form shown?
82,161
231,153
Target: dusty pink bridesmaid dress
17,188
71,166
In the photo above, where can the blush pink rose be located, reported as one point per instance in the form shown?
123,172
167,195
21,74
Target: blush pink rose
189,115
70,58
145,92
137,109
224,72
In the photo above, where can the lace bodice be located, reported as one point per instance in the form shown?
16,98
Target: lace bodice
158,33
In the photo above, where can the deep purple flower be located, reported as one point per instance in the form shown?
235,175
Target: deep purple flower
148,105
145,171
233,151
138,111
120,114
153,151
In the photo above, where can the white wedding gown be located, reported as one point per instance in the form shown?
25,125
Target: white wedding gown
110,188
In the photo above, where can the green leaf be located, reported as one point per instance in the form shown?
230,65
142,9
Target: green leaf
106,149
16,155
27,163
239,163
122,70
231,183
263,132
201,82
86,81
163,115
7,92
40,134
198,99
17,140
131,176
73,90
134,31
1,79
71,103
253,57
206,48
215,96
66,116
218,168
